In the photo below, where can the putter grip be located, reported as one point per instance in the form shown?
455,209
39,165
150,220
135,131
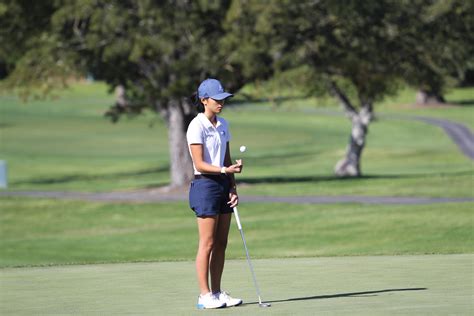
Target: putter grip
237,219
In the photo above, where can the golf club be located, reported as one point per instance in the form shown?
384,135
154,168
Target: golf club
237,219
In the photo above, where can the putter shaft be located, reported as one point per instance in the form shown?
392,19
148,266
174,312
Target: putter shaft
239,225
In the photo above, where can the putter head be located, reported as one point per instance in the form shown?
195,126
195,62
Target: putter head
264,305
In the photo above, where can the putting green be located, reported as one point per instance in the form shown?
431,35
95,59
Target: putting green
411,285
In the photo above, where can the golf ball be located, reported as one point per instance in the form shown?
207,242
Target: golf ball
243,149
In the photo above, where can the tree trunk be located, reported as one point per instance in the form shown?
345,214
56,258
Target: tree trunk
424,97
120,97
349,166
178,115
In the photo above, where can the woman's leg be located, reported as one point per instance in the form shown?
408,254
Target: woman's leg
207,229
218,251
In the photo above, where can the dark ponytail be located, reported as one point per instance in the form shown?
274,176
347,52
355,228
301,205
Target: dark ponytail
197,102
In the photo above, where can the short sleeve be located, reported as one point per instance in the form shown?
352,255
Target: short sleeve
194,133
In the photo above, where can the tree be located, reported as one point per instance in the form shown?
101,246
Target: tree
21,24
156,52
444,49
357,51
347,46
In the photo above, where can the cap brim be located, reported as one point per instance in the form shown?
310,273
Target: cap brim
221,96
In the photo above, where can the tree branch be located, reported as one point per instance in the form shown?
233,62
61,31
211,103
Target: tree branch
343,99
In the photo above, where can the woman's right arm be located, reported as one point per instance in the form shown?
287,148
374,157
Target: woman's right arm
204,167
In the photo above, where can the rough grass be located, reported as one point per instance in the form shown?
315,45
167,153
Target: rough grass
44,231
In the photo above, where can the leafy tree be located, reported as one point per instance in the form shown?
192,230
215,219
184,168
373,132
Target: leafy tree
443,51
344,44
357,51
21,22
156,52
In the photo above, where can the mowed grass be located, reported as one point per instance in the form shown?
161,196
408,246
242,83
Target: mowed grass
51,232
295,153
459,109
381,285
67,144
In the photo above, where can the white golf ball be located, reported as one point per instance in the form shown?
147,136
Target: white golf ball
243,149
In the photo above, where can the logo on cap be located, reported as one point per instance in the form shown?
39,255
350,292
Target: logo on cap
212,88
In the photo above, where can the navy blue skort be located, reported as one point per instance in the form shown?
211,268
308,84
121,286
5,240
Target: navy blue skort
209,195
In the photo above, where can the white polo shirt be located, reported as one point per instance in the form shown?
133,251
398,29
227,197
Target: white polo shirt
213,139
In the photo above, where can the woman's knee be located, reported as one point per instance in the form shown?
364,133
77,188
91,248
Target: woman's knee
206,245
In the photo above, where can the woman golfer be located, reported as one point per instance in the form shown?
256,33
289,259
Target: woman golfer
212,194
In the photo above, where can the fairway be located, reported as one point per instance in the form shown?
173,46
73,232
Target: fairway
399,285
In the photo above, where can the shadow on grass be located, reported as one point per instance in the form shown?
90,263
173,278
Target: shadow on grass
89,177
243,180
469,102
353,294
290,179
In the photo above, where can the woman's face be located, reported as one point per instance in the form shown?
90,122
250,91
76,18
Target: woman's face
215,106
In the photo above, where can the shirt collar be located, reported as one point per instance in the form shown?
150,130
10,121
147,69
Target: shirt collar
203,118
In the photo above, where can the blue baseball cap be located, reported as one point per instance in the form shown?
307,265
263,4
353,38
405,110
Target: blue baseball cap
212,88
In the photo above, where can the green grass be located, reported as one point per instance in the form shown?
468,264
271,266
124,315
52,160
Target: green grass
459,103
402,158
401,285
66,144
459,109
44,232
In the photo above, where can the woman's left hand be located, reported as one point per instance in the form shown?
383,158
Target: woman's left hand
234,198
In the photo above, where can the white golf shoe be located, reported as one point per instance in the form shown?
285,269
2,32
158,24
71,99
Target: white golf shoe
209,301
225,298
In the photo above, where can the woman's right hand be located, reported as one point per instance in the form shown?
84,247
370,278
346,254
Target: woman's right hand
236,168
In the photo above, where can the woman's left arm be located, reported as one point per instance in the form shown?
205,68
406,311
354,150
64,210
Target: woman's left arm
234,198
